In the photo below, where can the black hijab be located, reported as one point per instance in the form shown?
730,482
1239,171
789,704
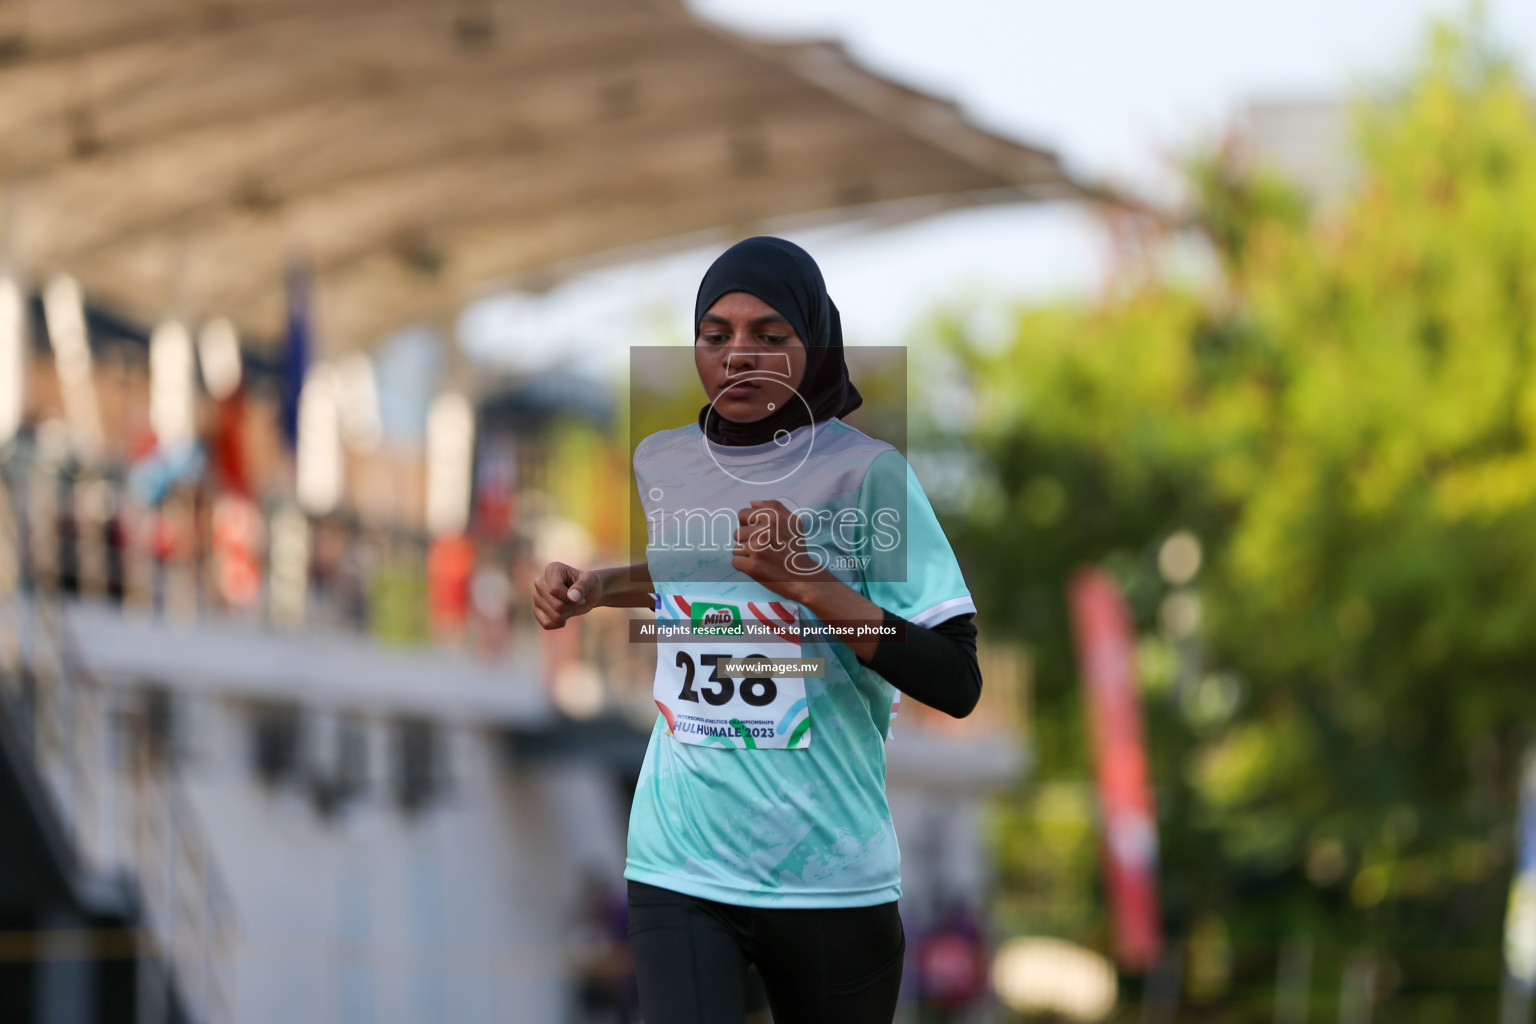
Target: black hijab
785,277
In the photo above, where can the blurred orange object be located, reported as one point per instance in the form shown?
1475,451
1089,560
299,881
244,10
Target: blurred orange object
450,565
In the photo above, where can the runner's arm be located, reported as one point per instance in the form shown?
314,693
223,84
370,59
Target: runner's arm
562,592
935,665
832,600
626,586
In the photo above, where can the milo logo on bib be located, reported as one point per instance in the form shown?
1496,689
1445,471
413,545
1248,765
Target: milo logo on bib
721,619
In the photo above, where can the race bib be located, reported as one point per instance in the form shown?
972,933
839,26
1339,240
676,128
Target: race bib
708,702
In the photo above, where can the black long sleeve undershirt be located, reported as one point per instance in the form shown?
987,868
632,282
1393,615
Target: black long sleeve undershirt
934,665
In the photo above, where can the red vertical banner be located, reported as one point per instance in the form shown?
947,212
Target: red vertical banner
1105,643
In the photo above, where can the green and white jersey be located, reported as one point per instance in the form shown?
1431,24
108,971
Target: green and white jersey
772,793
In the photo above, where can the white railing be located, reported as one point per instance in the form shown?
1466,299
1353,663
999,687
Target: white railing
126,820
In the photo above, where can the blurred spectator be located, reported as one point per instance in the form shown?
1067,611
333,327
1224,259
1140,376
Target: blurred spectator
606,987
951,961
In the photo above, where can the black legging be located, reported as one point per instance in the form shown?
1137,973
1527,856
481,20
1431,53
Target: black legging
840,966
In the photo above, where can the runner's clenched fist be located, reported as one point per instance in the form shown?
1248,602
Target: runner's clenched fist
770,546
562,592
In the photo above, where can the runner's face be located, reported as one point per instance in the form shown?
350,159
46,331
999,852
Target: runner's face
749,358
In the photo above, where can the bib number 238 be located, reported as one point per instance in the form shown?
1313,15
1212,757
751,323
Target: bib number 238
703,704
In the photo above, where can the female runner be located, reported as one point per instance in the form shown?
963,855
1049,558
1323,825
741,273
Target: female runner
760,831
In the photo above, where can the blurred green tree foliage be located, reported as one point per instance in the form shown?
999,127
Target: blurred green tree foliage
1343,412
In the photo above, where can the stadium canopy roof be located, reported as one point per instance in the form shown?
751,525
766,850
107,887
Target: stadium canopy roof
176,155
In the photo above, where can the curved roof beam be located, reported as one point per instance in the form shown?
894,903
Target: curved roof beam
174,156
274,163
404,210
146,94
373,289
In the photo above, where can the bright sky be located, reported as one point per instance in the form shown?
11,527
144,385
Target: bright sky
1116,87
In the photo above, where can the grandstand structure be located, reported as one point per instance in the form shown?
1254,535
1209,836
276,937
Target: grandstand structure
282,752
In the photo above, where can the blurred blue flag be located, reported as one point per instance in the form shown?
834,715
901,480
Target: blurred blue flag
296,346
